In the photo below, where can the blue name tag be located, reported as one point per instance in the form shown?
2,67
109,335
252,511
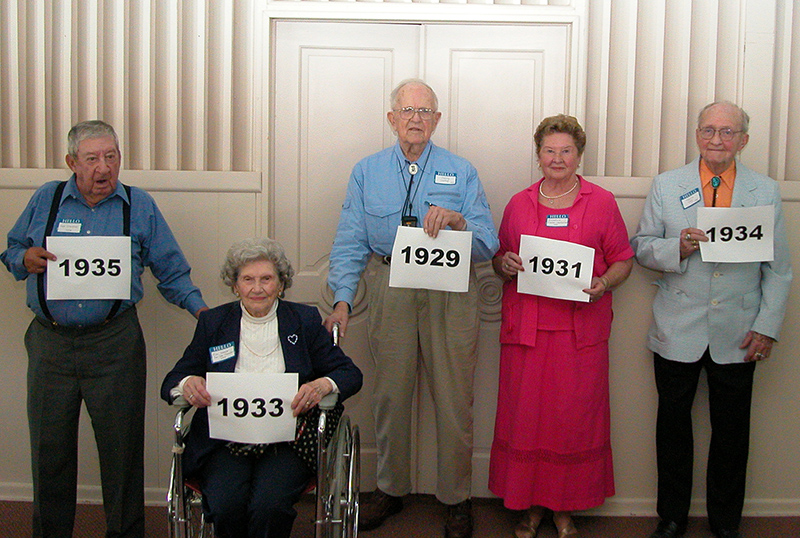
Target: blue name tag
222,352
557,221
444,178
690,198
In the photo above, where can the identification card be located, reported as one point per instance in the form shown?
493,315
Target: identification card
422,262
737,234
251,408
557,269
690,198
89,267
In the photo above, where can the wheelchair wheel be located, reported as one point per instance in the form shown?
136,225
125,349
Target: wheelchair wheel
338,483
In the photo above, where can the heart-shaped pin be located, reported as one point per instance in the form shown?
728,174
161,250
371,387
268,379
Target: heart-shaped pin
293,339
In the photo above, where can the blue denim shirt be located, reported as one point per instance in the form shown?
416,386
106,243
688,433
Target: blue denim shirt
379,185
152,245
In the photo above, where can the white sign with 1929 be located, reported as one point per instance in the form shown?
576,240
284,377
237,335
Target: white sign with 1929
421,262
557,269
251,408
89,267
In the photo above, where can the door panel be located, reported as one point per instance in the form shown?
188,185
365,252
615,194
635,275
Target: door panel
332,82
331,87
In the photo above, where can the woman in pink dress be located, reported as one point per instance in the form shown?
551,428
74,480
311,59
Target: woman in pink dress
552,447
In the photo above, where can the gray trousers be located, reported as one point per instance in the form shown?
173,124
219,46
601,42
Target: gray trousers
438,330
103,366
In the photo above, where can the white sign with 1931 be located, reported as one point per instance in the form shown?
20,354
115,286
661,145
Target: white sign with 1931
556,269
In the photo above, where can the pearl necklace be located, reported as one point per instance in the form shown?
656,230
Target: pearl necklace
552,198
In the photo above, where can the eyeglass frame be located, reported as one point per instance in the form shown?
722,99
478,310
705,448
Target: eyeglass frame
422,111
723,137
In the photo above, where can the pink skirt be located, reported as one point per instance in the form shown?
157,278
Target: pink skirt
552,436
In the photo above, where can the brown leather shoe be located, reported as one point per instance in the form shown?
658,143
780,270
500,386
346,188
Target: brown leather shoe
459,520
377,508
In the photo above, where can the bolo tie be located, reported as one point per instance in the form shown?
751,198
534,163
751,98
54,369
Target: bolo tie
715,181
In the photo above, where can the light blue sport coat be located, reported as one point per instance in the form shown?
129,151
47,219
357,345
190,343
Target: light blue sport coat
709,305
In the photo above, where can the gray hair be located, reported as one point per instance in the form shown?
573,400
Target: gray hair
88,129
744,119
252,250
412,82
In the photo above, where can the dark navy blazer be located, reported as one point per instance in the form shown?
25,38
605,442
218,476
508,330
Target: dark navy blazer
307,350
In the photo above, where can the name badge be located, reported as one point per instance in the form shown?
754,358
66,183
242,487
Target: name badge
69,226
557,221
557,269
421,262
690,198
444,178
251,408
737,234
89,267
222,352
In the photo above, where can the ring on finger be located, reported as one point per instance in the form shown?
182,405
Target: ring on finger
688,237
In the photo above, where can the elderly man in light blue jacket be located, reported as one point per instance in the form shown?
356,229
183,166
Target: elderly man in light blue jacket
723,317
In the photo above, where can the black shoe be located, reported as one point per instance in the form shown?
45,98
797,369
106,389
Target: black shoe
728,534
374,511
459,520
669,529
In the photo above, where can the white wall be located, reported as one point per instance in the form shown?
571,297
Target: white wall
187,84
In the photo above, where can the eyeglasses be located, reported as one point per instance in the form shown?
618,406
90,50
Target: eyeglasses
726,134
408,112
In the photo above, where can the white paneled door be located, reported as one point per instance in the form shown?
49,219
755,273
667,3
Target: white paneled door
331,82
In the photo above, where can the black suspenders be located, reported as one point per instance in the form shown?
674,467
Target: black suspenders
51,220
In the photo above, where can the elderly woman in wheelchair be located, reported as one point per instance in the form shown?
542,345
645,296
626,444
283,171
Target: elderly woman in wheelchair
250,490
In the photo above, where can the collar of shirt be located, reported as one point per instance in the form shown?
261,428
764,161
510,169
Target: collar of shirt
422,156
725,189
71,189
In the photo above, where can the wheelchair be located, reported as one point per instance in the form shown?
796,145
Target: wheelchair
337,482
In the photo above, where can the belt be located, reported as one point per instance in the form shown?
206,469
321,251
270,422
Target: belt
80,330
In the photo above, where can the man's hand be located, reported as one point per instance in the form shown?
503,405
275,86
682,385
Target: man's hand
439,218
35,259
758,346
340,315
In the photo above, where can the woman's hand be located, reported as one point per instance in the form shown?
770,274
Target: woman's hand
310,395
508,265
600,286
194,391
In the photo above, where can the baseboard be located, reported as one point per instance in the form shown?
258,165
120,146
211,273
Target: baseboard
615,506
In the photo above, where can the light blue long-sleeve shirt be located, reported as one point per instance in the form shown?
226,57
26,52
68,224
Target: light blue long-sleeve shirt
152,245
372,210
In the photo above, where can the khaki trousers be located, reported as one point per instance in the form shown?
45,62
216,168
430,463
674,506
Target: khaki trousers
439,330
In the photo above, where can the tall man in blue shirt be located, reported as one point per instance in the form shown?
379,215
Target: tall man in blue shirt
414,183
91,350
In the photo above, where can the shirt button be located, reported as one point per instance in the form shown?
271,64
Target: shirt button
714,302
80,305
88,232
717,274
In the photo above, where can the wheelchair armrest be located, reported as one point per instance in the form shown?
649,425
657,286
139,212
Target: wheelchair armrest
329,402
178,427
